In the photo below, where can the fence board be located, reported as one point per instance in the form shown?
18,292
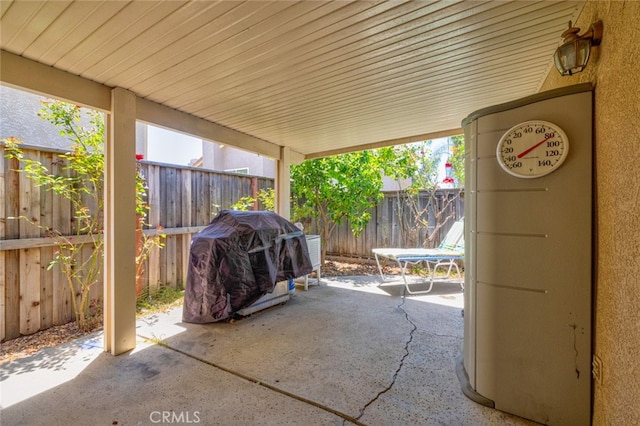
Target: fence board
210,197
63,222
172,196
392,225
29,258
203,201
162,194
29,291
194,195
186,245
153,196
170,261
214,192
185,203
162,264
151,272
46,288
96,291
225,191
12,294
62,206
48,160
61,298
29,199
12,199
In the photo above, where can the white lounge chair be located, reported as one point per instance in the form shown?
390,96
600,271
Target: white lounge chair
450,250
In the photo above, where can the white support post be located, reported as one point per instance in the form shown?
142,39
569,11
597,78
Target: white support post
283,183
120,225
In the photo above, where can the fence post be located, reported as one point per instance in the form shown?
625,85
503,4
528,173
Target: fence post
254,192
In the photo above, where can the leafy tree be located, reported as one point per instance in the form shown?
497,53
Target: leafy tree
343,187
266,196
417,218
82,183
427,162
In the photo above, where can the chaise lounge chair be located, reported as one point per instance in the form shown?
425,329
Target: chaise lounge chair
445,255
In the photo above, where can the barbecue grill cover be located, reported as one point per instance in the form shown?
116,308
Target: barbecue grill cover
236,259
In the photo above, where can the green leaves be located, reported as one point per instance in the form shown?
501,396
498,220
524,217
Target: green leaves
338,188
79,178
347,187
457,158
266,196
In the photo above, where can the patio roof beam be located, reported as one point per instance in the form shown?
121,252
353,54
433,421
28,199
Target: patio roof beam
390,142
172,119
32,76
26,74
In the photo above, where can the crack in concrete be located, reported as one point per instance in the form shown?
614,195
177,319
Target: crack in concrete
414,327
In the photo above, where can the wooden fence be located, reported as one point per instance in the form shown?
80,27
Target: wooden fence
32,297
393,224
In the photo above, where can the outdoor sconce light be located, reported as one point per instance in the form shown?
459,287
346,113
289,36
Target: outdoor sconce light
573,55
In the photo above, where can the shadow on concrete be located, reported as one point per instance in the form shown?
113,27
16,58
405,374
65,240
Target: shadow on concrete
346,352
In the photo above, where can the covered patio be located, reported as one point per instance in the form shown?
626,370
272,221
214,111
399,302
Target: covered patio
288,80
301,80
347,352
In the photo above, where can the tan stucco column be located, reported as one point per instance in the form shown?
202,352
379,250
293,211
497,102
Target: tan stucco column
120,225
283,183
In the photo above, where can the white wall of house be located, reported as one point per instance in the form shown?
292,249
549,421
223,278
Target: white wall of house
167,146
389,184
170,147
220,157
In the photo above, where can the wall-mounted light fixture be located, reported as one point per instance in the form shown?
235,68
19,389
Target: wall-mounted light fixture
573,55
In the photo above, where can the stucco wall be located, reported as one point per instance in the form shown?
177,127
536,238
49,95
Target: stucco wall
613,69
222,157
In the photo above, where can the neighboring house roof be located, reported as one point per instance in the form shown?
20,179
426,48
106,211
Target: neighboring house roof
197,162
19,118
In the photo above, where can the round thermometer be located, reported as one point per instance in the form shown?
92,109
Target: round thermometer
532,149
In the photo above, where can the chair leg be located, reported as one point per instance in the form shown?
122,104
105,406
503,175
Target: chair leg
403,269
406,285
379,267
451,264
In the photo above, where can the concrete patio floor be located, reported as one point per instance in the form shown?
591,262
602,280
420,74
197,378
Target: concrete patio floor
346,352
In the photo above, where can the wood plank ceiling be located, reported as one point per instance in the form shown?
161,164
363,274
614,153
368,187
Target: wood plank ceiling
317,76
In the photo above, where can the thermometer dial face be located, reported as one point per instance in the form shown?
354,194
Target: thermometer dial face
532,149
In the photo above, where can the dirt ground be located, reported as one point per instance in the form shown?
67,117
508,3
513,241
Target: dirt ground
26,345
342,269
57,335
